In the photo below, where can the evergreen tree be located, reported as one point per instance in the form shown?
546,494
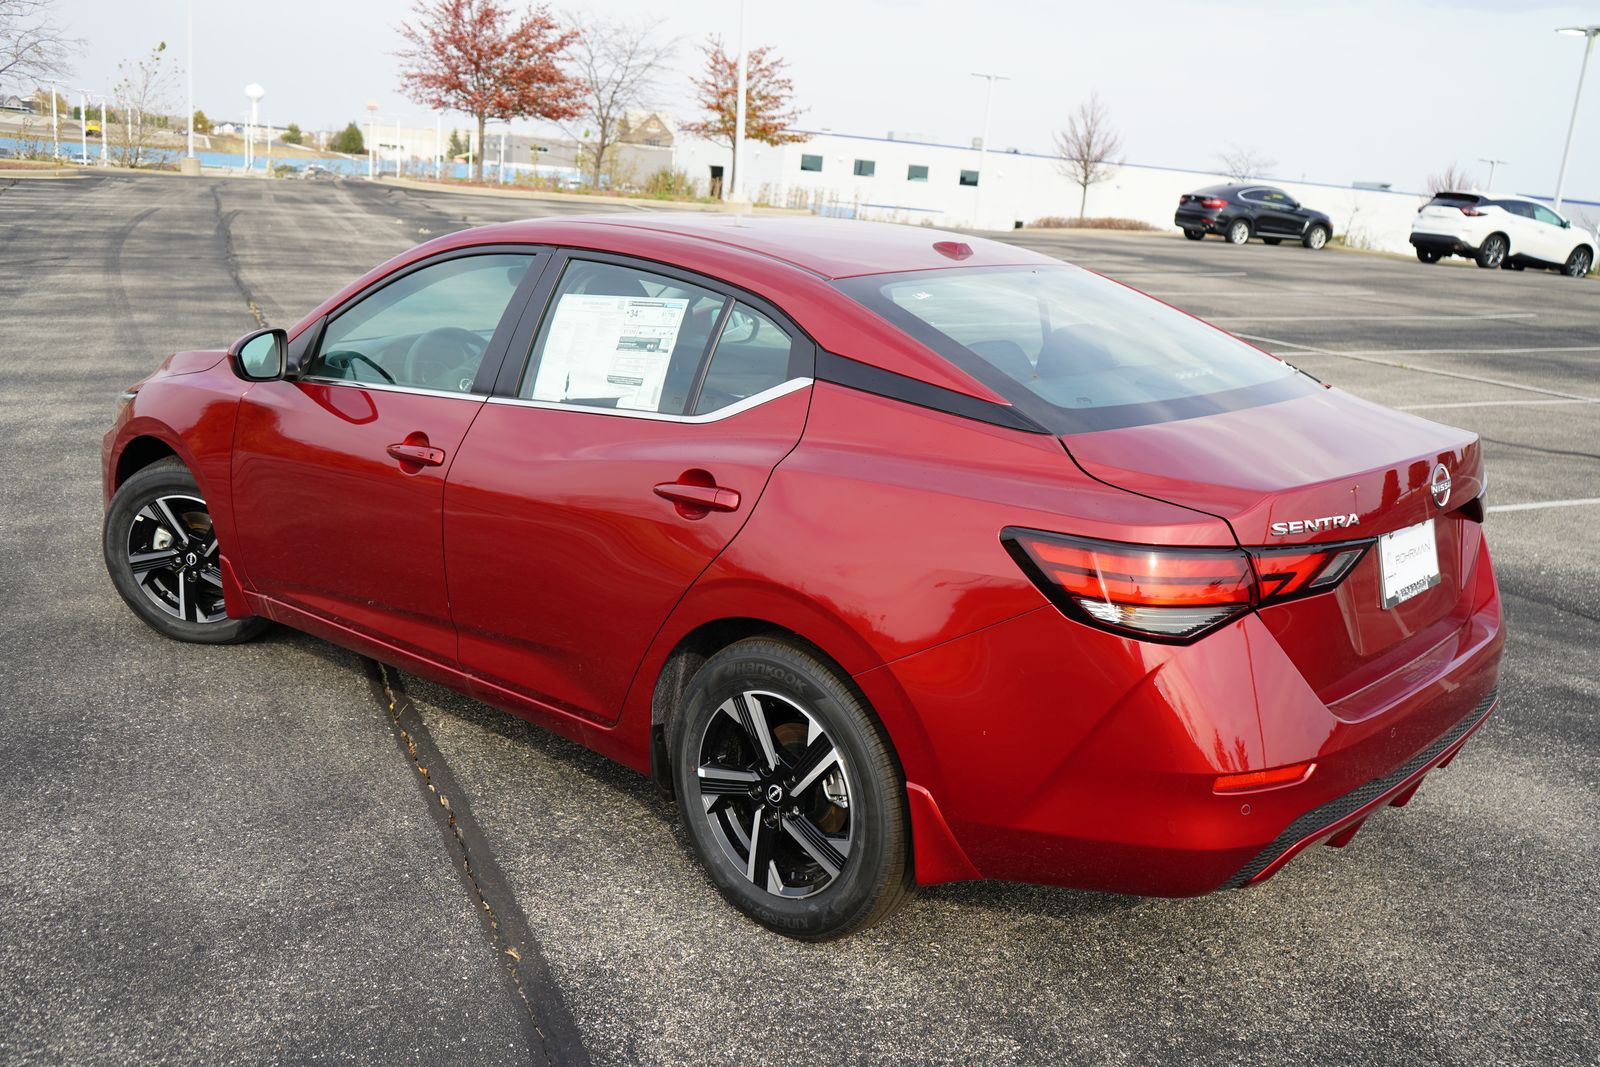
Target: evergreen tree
349,141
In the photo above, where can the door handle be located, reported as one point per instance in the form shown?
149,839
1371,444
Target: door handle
706,497
420,455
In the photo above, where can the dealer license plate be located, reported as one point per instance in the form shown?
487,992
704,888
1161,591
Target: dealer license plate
1409,562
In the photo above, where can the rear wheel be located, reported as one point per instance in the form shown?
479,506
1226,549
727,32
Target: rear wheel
1315,238
1195,235
1493,251
1427,255
1579,263
790,793
163,556
1239,231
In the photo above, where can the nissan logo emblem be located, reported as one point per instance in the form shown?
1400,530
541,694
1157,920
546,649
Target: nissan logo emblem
1440,485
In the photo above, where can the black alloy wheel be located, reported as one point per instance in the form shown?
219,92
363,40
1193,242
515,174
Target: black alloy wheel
789,792
1493,252
164,558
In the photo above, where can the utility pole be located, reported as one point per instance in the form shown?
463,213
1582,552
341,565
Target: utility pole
983,144
189,63
83,121
55,122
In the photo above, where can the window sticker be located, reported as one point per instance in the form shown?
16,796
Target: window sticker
606,348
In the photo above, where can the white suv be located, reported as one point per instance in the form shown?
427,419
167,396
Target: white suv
1501,231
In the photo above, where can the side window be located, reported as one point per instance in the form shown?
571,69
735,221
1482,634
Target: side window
752,355
866,168
969,177
1545,215
810,162
1254,196
618,337
427,330
917,172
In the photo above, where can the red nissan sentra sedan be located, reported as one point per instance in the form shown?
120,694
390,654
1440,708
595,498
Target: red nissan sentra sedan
898,557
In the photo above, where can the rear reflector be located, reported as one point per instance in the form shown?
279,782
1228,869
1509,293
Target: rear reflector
1250,781
1170,594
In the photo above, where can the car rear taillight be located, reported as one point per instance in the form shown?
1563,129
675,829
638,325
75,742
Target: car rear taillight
1171,594
1213,203
1468,209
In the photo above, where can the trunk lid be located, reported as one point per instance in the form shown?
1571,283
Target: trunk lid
1326,467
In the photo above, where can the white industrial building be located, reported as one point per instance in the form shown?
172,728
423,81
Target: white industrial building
916,181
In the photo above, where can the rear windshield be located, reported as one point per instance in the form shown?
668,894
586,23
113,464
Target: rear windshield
1453,199
1074,351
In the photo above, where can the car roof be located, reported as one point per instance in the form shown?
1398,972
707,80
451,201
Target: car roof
830,248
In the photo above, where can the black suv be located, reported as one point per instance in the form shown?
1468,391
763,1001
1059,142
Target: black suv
1240,212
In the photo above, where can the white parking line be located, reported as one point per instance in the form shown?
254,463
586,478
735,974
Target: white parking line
1122,275
1373,318
1467,351
1489,404
1274,342
1546,504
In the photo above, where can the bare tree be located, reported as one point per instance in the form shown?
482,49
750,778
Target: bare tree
142,91
1087,145
1453,179
619,64
32,46
1242,164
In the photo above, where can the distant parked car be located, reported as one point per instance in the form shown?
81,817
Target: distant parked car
1240,212
312,171
1512,232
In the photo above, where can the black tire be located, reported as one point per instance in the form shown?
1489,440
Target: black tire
1493,251
1580,263
1239,231
1513,264
805,706
1195,235
1272,240
154,517
1427,255
1316,238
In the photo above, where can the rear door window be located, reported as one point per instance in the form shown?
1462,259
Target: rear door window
752,355
621,338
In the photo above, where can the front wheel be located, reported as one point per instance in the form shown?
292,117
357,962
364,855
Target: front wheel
1239,232
1493,252
1315,238
1579,263
790,794
164,558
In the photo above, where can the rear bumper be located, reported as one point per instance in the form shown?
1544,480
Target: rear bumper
1194,220
1063,755
1443,243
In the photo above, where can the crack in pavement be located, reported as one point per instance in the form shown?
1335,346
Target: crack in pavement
547,1022
231,258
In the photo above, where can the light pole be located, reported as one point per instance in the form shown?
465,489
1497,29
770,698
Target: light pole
741,88
1493,163
189,63
83,125
372,136
1574,31
55,122
983,144
255,93
105,134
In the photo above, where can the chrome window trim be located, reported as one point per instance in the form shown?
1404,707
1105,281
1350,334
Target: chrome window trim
754,400
385,387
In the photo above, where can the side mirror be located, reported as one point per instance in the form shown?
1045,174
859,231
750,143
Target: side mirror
259,356
1566,224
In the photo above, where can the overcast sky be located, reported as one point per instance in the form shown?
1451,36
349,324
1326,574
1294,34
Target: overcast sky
1334,91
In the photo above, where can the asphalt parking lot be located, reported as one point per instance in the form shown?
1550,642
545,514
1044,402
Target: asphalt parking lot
224,855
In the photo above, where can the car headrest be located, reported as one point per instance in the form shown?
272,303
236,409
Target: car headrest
1075,350
1008,356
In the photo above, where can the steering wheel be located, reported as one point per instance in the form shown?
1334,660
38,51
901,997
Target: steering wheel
448,355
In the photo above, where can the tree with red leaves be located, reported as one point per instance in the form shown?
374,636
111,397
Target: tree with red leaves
467,55
769,95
